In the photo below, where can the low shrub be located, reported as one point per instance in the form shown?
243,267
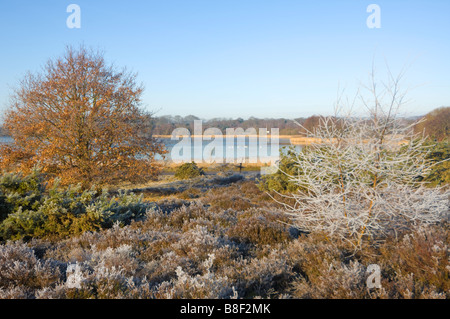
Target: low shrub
280,181
192,249
20,191
440,156
30,211
20,268
188,170
239,196
260,227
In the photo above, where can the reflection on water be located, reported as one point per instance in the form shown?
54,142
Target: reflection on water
245,153
259,150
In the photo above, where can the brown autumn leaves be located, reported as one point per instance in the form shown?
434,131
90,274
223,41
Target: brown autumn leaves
81,121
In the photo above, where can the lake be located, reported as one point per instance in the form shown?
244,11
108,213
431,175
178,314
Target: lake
225,151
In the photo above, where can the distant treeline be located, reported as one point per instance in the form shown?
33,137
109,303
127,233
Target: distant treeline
164,125
435,124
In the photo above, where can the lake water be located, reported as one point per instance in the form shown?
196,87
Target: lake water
224,151
5,139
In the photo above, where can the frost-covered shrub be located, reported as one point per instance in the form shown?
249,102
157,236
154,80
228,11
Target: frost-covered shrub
240,196
19,267
35,212
258,226
19,191
189,249
261,276
418,265
15,292
334,280
190,193
204,285
363,176
415,265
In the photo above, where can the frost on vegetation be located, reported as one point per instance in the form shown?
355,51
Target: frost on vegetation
206,285
364,177
202,251
29,210
22,271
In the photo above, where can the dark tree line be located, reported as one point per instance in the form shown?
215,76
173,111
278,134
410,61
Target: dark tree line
164,125
435,125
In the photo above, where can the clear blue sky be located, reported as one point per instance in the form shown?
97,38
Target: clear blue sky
238,58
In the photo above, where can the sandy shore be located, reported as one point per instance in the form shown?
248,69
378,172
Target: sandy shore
219,166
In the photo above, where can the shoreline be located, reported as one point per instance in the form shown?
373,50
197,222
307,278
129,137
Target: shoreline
224,135
169,164
294,139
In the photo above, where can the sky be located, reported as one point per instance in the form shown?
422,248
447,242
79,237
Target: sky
240,58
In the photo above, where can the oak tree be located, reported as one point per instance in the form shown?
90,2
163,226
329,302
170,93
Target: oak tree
81,120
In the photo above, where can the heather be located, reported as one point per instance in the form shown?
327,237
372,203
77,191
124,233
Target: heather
224,241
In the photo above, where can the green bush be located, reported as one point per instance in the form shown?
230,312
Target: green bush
30,211
188,170
440,173
19,191
279,181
